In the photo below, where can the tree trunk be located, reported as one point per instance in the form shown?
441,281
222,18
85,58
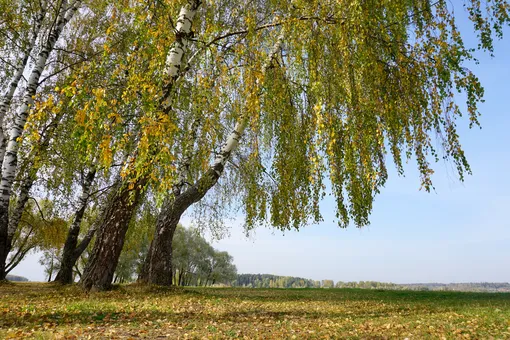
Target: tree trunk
4,251
21,202
13,84
179,47
157,267
10,160
77,270
50,271
65,274
181,275
98,274
72,251
24,193
158,264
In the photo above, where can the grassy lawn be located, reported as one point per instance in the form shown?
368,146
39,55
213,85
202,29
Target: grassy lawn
46,311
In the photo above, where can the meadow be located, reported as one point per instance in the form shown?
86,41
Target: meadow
48,311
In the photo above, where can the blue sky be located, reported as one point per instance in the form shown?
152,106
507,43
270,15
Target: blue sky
459,233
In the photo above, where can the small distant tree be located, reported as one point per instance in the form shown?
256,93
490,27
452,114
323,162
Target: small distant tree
222,268
50,260
40,228
197,262
328,284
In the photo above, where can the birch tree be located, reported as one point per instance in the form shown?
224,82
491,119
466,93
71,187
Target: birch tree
152,131
155,145
62,46
354,82
19,67
64,11
267,102
158,267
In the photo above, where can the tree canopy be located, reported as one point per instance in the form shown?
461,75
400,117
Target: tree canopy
355,82
264,106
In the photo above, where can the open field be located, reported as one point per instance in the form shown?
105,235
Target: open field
46,311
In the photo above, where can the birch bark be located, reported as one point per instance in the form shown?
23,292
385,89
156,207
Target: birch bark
158,264
72,250
10,160
14,82
178,49
112,230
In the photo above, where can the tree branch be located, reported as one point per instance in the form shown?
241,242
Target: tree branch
39,208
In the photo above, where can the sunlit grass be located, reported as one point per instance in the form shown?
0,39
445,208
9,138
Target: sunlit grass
47,311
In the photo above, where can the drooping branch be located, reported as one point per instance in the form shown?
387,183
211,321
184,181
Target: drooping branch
328,20
20,254
158,264
10,161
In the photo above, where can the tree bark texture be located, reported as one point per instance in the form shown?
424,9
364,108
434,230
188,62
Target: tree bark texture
158,264
72,251
10,160
98,274
18,73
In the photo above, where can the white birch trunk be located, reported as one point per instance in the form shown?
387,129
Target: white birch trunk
175,56
11,154
187,154
13,84
30,178
233,139
157,268
10,160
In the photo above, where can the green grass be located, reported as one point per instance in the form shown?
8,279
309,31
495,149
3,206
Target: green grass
47,311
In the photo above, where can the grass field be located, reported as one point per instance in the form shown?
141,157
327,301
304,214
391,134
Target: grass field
46,311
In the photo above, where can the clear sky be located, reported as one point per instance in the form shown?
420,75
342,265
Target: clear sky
459,233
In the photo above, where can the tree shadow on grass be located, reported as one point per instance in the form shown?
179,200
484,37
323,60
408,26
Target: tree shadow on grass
97,318
98,309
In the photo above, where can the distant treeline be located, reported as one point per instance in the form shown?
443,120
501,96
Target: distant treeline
467,287
16,278
275,281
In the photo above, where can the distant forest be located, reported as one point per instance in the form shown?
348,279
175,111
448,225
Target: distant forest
275,281
463,287
16,278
